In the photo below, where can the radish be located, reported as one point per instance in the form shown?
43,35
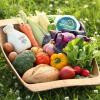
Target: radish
85,73
78,69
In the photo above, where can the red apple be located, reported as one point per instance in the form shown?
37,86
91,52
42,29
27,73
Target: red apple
78,69
67,72
85,72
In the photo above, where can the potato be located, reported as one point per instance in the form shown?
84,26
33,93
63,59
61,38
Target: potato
8,47
41,73
12,56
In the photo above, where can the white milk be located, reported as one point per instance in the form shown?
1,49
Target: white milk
18,39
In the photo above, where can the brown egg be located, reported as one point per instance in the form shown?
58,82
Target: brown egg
8,47
12,56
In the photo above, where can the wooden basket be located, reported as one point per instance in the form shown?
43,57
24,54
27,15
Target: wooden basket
53,84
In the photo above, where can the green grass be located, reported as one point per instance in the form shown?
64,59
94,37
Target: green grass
87,11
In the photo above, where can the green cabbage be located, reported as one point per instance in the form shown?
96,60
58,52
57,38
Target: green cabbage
24,61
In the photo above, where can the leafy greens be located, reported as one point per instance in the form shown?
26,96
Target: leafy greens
80,53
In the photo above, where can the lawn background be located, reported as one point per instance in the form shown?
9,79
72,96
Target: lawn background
88,11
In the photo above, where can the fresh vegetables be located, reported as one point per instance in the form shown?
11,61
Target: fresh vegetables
82,72
59,60
85,72
8,47
46,39
24,61
49,47
78,69
64,54
85,38
61,38
42,58
43,20
41,73
53,34
79,32
67,72
79,53
59,41
25,28
12,56
82,26
36,31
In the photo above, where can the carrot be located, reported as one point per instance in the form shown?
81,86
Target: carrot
26,29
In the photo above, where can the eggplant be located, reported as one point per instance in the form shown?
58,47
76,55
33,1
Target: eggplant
53,34
82,26
57,49
85,38
46,39
59,39
75,32
60,43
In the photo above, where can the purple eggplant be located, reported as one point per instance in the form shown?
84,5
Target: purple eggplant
46,39
82,26
59,41
80,32
57,49
53,34
85,38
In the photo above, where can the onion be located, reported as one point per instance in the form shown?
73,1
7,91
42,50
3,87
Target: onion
49,47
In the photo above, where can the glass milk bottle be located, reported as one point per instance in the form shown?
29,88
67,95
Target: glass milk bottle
18,39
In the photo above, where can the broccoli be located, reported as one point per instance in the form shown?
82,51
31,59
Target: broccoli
24,61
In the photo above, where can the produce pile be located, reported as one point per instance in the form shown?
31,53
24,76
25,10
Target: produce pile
45,49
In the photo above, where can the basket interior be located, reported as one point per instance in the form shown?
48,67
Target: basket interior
4,39
64,83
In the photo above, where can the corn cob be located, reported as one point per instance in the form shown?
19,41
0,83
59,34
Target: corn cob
43,20
36,31
36,20
43,31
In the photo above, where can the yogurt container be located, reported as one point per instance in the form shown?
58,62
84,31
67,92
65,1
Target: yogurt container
66,22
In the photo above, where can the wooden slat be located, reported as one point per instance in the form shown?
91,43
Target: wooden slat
17,20
13,21
63,83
